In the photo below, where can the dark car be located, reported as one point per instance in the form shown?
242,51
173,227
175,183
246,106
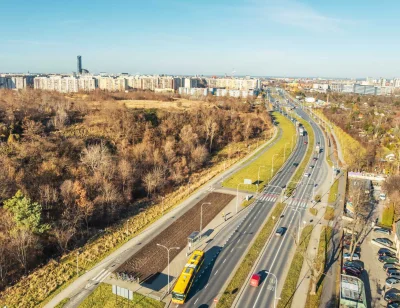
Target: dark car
393,272
357,249
387,254
395,304
295,164
381,251
355,263
280,231
392,295
351,271
392,281
383,241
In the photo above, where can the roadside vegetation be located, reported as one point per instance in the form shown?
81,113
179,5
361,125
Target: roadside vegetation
240,276
387,216
333,191
313,300
103,297
329,213
78,169
263,164
292,277
302,167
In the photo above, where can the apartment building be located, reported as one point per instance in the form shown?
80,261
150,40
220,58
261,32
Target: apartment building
17,82
87,83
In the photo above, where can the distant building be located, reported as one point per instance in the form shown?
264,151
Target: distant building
79,65
16,82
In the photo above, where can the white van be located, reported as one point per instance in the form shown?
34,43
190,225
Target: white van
382,196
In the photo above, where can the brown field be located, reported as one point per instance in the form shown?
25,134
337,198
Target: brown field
151,260
178,104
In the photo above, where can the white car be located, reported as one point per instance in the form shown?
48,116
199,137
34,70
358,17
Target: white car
347,256
307,174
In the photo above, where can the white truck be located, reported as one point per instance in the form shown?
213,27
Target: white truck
301,131
317,149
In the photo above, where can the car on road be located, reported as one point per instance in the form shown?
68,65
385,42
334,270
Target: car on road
315,158
382,230
311,166
307,174
305,142
355,263
393,295
318,142
295,164
383,241
392,281
255,280
280,231
347,256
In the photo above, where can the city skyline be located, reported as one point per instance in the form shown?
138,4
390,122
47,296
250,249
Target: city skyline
258,38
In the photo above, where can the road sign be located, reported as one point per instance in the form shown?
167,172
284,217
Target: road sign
248,181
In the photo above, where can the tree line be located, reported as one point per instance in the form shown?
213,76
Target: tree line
72,167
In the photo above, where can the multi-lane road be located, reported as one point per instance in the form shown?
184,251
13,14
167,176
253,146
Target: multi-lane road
230,244
277,256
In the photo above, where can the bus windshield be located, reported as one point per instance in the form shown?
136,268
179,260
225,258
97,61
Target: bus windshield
178,296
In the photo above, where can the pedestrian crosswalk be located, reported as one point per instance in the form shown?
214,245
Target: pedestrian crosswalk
210,188
268,197
101,276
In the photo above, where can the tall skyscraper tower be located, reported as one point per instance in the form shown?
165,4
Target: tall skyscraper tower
79,65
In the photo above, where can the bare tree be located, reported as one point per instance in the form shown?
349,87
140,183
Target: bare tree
214,130
95,157
125,172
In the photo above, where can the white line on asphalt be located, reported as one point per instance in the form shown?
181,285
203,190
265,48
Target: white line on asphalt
224,261
196,301
206,286
232,249
216,273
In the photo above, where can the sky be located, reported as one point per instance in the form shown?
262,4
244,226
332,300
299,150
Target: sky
341,38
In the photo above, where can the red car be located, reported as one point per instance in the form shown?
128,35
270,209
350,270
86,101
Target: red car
305,142
255,280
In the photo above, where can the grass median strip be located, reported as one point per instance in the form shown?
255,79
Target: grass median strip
295,268
300,170
247,264
104,298
329,213
313,301
263,164
387,216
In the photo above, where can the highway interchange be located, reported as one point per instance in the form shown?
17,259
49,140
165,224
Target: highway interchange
228,247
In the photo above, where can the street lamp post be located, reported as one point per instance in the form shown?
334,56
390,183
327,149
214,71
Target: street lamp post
284,152
276,285
272,170
77,263
201,217
258,178
237,195
168,249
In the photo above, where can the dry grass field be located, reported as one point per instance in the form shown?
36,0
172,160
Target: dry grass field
178,104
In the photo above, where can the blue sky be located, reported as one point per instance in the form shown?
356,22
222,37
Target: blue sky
264,38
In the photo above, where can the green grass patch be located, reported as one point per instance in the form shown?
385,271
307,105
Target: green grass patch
329,213
264,161
62,303
246,203
313,301
333,192
103,297
300,170
295,268
313,211
247,264
387,216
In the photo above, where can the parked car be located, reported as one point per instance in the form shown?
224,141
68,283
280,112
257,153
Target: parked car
280,231
393,295
391,271
351,271
255,280
395,274
347,256
392,281
388,259
357,249
381,251
382,230
387,266
387,254
393,305
355,263
383,241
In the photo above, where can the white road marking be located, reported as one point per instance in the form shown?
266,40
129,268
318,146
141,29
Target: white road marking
224,261
216,273
206,286
196,301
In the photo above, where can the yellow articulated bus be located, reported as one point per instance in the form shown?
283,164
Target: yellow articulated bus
186,278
